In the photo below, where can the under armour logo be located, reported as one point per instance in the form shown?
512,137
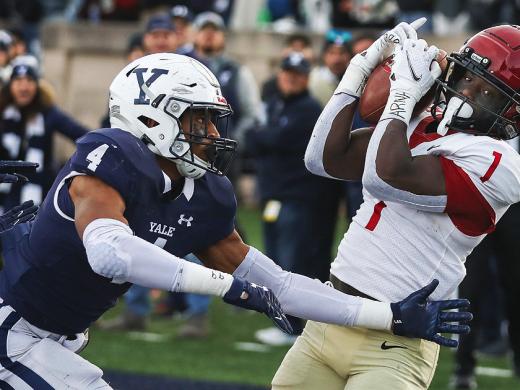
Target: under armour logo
187,220
139,72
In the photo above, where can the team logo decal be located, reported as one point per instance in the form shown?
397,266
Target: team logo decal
187,221
139,72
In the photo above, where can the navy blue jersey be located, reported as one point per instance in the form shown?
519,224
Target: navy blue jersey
46,275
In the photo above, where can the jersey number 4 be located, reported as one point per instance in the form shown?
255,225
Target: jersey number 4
94,157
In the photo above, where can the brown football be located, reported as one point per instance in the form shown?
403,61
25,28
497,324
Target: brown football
374,97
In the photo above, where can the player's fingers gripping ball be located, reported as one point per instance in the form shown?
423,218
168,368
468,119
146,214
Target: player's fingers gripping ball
377,90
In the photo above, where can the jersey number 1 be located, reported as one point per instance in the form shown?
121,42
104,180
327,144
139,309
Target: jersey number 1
94,157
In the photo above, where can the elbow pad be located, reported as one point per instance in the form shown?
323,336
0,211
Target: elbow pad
106,256
381,190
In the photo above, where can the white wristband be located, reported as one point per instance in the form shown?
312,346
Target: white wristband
374,315
399,106
353,81
201,280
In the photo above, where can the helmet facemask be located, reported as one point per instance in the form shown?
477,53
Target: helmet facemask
493,118
194,147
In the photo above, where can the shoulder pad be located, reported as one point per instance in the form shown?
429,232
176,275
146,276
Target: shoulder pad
119,159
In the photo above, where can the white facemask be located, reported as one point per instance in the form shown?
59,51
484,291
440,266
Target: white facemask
453,105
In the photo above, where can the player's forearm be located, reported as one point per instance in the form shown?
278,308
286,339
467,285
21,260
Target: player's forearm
387,145
310,299
115,253
331,135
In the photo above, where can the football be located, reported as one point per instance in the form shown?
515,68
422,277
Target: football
374,97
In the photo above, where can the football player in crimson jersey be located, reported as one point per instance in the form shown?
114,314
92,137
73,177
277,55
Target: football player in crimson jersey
128,205
434,186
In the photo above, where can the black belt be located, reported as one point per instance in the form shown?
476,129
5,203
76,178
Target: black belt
347,289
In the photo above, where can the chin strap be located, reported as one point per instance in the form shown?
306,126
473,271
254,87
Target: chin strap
189,170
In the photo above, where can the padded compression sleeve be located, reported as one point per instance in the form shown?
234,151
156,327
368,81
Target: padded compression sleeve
115,253
310,299
316,146
384,191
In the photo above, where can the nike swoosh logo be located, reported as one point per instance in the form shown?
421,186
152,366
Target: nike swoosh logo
433,146
278,318
384,346
411,69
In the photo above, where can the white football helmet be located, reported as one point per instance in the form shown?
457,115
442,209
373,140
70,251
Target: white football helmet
148,97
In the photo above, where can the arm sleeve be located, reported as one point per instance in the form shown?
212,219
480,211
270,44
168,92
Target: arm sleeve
310,299
113,252
316,145
384,191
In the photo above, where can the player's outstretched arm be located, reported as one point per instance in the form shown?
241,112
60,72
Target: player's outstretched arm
115,253
332,150
310,299
12,171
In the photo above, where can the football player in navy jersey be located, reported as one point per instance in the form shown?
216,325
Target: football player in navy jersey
129,204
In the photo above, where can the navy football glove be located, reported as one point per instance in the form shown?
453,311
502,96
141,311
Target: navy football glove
9,171
259,298
19,214
416,317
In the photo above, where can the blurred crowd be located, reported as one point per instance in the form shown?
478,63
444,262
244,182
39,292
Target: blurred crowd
445,16
272,122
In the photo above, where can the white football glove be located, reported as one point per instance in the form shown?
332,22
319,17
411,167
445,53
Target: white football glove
362,65
413,73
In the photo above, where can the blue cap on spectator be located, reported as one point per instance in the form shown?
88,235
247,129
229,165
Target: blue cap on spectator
24,70
159,22
297,62
181,11
209,18
338,37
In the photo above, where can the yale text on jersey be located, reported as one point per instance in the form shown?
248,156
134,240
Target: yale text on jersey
161,229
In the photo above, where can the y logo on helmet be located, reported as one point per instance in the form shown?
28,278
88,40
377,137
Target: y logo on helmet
139,72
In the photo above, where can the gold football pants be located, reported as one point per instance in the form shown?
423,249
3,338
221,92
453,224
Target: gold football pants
330,357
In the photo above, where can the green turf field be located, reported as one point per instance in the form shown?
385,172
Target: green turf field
219,357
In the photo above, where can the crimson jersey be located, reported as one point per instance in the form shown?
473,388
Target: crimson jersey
406,247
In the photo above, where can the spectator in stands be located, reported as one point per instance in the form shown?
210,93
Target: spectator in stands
5,56
300,208
297,42
29,120
182,18
335,56
135,49
19,44
410,10
159,36
362,42
502,245
349,14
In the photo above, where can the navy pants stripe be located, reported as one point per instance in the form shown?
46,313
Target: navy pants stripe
18,369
